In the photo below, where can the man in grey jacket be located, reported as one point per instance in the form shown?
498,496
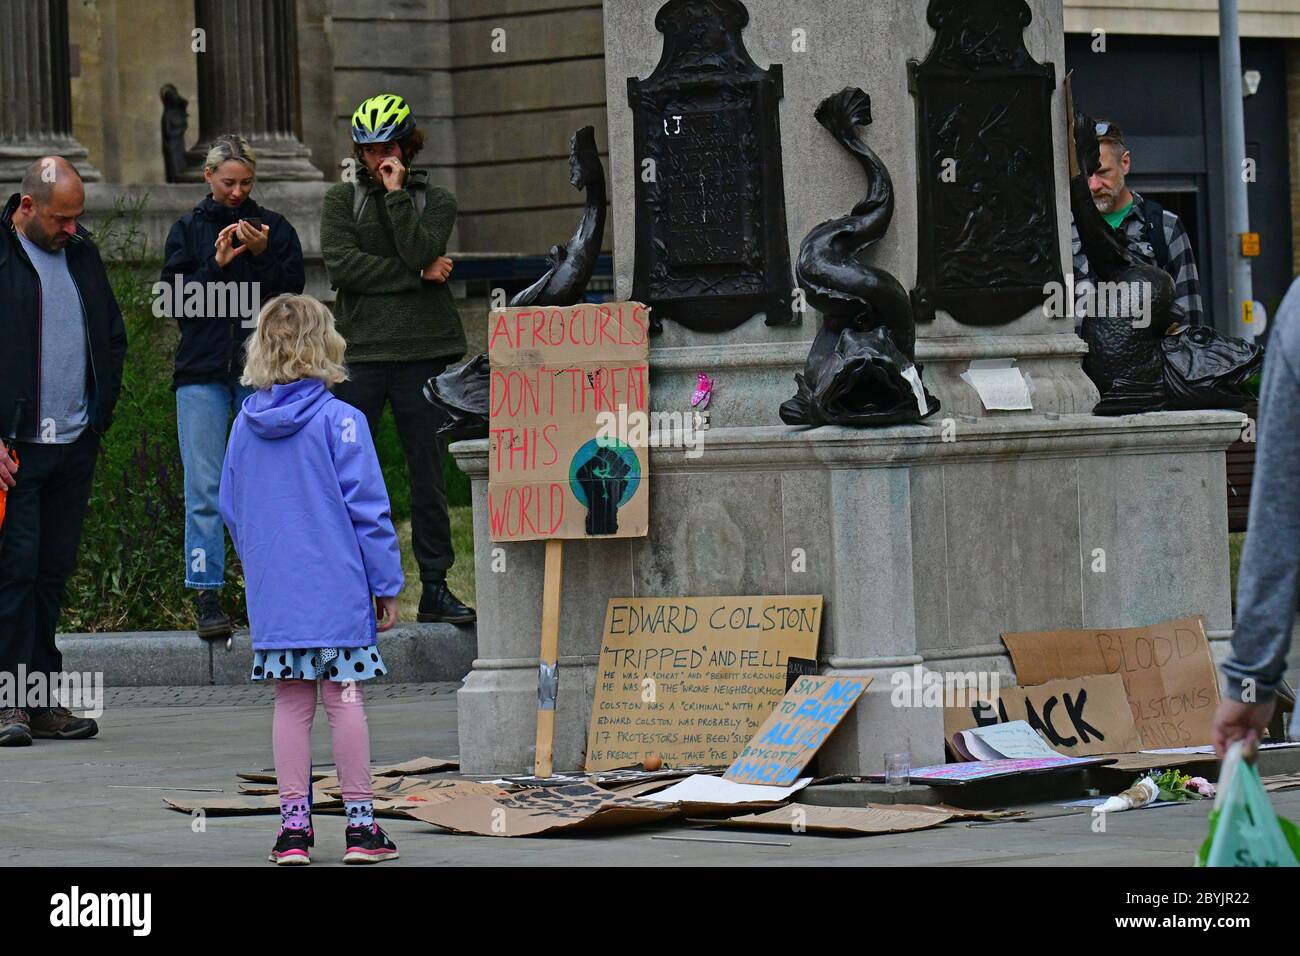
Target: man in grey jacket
1268,582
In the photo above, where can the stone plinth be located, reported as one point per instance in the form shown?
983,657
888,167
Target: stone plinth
927,541
925,549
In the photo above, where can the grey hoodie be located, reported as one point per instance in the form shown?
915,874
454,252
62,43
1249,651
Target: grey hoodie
1269,579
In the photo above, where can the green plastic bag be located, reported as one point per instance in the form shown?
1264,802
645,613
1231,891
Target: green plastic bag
1244,830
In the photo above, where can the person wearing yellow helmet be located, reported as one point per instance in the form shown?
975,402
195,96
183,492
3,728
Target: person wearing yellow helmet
384,235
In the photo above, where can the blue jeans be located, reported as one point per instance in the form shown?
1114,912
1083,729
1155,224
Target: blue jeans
203,415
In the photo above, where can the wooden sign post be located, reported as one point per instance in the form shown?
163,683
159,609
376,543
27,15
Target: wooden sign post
570,388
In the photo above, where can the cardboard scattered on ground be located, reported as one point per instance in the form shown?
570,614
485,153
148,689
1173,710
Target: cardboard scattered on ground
852,821
1078,716
213,805
1281,781
538,811
1168,673
691,679
418,765
608,779
554,370
796,730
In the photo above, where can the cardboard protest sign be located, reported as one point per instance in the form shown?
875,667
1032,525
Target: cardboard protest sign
1167,670
1078,716
537,811
796,729
558,375
691,679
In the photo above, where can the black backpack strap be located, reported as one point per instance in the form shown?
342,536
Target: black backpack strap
1153,214
360,196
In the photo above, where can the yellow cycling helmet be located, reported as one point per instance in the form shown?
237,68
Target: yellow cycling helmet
381,119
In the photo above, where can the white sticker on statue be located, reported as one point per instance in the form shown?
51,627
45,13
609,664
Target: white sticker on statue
918,389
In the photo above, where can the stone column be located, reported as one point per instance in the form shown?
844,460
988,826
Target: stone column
248,84
35,88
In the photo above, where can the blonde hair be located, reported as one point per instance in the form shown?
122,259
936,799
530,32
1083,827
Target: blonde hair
295,339
230,146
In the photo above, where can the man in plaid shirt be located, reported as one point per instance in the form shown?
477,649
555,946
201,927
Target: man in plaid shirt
1152,234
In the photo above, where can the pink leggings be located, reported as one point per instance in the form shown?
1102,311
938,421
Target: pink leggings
295,707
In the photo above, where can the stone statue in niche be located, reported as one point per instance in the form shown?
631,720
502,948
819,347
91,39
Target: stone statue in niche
988,239
711,246
861,369
565,283
175,121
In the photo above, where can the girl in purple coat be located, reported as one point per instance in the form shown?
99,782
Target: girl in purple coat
305,502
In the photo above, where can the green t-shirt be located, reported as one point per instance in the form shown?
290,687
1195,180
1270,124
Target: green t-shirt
1113,219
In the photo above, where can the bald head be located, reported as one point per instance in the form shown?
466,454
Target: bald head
52,200
48,175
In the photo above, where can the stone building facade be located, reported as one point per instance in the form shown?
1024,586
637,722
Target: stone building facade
500,85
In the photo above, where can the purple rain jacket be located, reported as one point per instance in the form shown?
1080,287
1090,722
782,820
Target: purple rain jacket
307,509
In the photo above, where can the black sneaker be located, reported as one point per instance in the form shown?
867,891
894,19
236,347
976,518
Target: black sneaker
291,848
368,845
213,622
15,728
438,604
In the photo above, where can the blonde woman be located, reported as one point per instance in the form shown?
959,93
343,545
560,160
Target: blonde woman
238,254
305,502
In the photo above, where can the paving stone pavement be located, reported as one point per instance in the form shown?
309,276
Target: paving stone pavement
230,695
99,802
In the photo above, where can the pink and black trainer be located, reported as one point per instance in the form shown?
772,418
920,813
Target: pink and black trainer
368,844
291,847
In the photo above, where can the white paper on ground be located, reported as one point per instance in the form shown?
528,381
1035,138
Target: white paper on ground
1014,740
1001,386
918,389
705,788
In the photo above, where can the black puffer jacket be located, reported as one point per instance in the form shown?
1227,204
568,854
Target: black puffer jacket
212,347
20,330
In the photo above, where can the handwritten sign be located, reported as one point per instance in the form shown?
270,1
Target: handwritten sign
1168,673
1079,716
796,729
570,393
690,679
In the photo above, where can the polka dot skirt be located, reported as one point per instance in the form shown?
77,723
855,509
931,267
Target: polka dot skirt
317,663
